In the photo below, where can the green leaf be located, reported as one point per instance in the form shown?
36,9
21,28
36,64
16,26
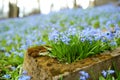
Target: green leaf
101,78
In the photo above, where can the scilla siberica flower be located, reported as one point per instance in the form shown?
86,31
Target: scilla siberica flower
24,76
71,31
111,71
104,73
108,72
6,76
65,39
13,68
109,35
54,36
113,43
84,75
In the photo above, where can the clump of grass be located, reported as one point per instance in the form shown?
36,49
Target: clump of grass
68,46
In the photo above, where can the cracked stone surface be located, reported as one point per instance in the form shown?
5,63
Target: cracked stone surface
47,68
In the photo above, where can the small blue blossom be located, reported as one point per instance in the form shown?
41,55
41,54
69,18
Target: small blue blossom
24,77
117,34
16,52
7,54
13,49
104,73
84,74
24,72
13,68
110,71
83,78
28,42
9,42
89,39
54,36
65,39
21,55
98,37
109,35
71,31
82,39
116,28
108,23
39,42
23,47
7,76
103,39
113,43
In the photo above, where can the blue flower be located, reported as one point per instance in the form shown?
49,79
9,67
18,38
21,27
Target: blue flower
110,71
54,36
23,47
116,28
24,72
28,42
13,68
113,43
117,34
109,35
65,39
21,55
7,54
104,73
82,39
83,78
71,31
84,74
7,76
24,77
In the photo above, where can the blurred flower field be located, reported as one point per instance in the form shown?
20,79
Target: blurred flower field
98,28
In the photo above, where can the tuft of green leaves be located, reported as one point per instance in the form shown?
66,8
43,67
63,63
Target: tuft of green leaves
6,63
76,49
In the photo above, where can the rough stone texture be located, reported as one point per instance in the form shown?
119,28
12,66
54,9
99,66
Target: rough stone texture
46,68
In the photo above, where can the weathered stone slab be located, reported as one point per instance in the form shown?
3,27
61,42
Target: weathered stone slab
47,68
